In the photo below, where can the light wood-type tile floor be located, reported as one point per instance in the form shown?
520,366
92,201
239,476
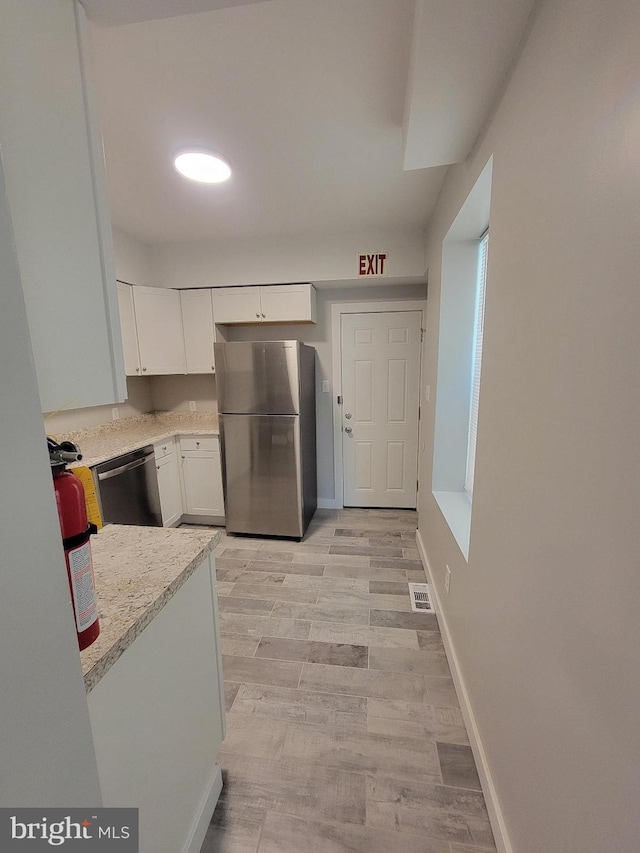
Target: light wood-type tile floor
344,732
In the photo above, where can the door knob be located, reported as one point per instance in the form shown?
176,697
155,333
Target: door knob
348,430
348,415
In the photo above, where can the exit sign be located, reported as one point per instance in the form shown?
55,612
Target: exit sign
372,264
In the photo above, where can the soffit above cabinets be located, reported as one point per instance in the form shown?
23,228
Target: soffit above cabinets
305,98
461,52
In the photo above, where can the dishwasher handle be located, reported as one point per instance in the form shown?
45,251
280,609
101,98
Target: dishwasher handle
128,467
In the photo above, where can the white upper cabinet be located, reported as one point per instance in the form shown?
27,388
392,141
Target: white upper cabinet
273,303
236,305
52,155
159,325
129,332
197,321
288,303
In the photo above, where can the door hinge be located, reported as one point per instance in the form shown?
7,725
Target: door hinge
421,335
339,399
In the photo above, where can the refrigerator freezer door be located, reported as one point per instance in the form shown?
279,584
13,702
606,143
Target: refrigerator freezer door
261,474
258,377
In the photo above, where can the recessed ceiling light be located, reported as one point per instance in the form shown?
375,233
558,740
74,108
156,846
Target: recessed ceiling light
198,164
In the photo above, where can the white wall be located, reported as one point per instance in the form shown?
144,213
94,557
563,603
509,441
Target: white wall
46,744
173,393
281,260
132,259
544,617
319,336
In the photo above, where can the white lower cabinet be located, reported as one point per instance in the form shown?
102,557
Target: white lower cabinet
189,478
157,718
201,475
167,465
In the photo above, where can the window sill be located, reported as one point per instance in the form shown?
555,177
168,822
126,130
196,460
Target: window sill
456,508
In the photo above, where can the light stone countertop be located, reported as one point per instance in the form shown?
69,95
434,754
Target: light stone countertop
105,441
137,571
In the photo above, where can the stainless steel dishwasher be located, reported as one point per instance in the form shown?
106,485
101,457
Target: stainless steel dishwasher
128,488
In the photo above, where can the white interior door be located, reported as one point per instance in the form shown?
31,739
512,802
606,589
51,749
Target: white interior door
380,391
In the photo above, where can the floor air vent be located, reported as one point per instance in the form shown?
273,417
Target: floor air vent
421,597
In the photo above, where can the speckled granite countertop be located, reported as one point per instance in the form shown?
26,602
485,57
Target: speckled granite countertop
107,440
137,571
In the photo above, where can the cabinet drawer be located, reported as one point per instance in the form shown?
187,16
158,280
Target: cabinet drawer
199,442
164,448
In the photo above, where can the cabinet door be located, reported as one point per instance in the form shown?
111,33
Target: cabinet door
236,305
197,322
288,303
128,327
169,485
201,476
202,483
55,187
216,476
159,325
157,718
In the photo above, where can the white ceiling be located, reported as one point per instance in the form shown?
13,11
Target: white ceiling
304,97
461,51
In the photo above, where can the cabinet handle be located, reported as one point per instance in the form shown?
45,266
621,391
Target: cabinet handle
137,370
258,316
158,467
144,369
197,444
213,367
264,315
183,457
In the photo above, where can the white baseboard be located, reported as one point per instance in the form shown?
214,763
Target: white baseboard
496,817
204,813
329,503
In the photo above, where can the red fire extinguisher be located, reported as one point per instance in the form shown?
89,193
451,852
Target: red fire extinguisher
76,530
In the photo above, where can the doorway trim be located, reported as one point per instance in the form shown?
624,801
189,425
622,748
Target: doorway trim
337,310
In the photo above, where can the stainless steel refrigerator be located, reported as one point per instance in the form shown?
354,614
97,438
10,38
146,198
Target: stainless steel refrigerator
266,402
